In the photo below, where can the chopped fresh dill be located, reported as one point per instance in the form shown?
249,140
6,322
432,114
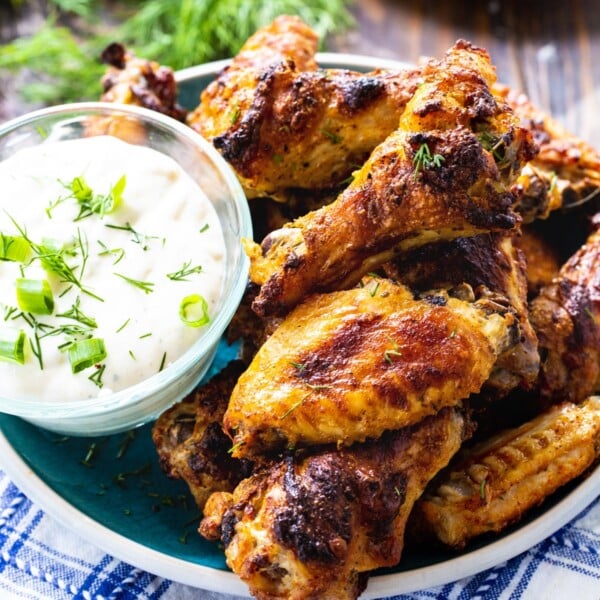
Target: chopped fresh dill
146,286
77,314
137,237
123,326
333,137
163,360
96,376
185,270
118,252
91,454
204,227
423,159
124,444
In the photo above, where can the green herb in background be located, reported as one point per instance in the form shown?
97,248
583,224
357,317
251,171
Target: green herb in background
63,63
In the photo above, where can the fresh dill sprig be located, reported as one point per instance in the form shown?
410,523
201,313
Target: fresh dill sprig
185,270
177,33
145,286
423,159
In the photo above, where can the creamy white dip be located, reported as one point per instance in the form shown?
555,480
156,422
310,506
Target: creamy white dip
133,264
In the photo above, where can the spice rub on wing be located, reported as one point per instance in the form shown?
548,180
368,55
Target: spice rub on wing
313,524
565,172
487,261
431,180
284,123
494,483
347,366
190,441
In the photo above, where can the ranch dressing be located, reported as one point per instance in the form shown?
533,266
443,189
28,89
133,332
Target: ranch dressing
135,259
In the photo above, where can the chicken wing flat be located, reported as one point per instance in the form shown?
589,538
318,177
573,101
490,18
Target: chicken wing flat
566,317
308,527
283,123
346,366
489,261
430,180
190,441
494,483
565,172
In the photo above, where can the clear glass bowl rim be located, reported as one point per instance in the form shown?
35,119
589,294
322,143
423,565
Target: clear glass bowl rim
30,408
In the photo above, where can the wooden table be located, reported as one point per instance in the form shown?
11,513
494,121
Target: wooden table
551,49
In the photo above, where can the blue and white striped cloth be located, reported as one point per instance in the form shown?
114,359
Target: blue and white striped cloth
41,560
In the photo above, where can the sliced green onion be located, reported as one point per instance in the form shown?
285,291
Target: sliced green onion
193,311
86,353
35,296
12,344
14,248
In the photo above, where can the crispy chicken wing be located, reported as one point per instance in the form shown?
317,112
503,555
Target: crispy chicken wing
566,317
133,80
346,366
308,527
283,123
432,179
490,261
494,483
190,441
566,171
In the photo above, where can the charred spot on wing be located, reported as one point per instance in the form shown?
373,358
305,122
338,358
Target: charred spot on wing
360,92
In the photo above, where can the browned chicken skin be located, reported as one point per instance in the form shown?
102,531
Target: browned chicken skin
308,527
489,261
190,441
566,171
133,80
430,180
346,366
283,123
494,483
566,317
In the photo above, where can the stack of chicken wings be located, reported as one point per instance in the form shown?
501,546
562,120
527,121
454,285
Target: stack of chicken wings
420,353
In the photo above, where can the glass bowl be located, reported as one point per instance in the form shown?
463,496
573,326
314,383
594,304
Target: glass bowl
142,402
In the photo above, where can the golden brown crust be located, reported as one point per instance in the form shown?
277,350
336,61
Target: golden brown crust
494,483
396,201
566,317
308,526
566,171
486,261
190,441
346,366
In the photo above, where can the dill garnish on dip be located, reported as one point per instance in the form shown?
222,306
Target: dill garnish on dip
105,249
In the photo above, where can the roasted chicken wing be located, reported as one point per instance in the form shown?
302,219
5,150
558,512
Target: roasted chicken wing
565,172
489,261
133,80
494,483
310,525
190,441
346,366
283,123
566,317
430,180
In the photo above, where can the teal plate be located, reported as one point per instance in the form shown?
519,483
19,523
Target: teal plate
111,491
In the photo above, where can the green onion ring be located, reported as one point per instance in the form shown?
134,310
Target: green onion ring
192,305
